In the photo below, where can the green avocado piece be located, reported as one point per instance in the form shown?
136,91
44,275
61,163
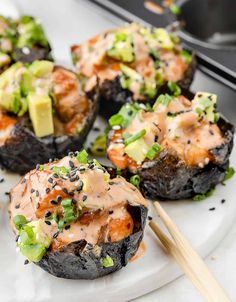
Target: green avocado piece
163,38
40,111
41,68
129,75
26,84
137,150
33,241
122,48
204,104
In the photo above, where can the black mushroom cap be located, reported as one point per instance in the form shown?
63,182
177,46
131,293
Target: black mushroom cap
23,150
113,96
80,260
167,177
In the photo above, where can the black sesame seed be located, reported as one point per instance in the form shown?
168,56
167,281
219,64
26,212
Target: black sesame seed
67,227
32,191
26,262
7,193
1,180
189,141
74,201
50,180
65,190
17,237
17,206
96,128
111,212
150,218
37,193
56,234
59,198
72,165
212,209
211,132
84,197
54,184
47,222
23,181
223,201
48,214
80,186
71,193
55,175
47,190
111,183
53,201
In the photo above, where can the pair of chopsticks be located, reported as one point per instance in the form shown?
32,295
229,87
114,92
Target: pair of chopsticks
188,259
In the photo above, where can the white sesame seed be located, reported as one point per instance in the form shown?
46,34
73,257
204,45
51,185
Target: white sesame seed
57,188
117,127
71,235
26,50
207,160
201,165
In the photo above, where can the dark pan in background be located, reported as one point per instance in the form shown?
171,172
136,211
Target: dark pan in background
208,27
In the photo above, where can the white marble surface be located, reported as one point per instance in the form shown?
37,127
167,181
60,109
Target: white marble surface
222,261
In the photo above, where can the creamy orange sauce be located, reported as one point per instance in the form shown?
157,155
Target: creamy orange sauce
104,216
7,124
185,134
93,63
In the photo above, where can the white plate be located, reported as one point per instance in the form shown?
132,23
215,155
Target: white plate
204,228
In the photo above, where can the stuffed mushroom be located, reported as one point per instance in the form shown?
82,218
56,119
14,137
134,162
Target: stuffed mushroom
43,114
22,40
74,220
132,63
178,148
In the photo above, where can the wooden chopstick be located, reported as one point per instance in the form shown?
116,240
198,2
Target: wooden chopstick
188,259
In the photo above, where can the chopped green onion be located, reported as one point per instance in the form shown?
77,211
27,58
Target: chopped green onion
216,117
82,157
107,261
135,180
200,197
66,202
19,221
153,151
60,170
116,120
229,173
55,216
61,225
41,167
27,235
134,137
186,56
118,171
163,99
174,88
176,10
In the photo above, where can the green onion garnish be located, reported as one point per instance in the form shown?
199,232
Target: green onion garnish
229,173
135,180
19,221
163,99
200,197
153,151
60,170
186,56
134,137
107,261
176,10
116,120
174,88
82,157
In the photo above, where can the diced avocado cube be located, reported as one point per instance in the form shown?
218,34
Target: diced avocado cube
129,76
33,252
204,104
41,68
40,111
163,38
40,235
137,150
122,48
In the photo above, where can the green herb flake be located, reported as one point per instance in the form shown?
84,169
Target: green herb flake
135,137
135,180
82,157
187,57
163,99
107,262
200,197
174,88
153,151
229,173
60,171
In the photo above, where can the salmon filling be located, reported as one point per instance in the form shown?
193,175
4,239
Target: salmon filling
152,57
76,201
177,125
